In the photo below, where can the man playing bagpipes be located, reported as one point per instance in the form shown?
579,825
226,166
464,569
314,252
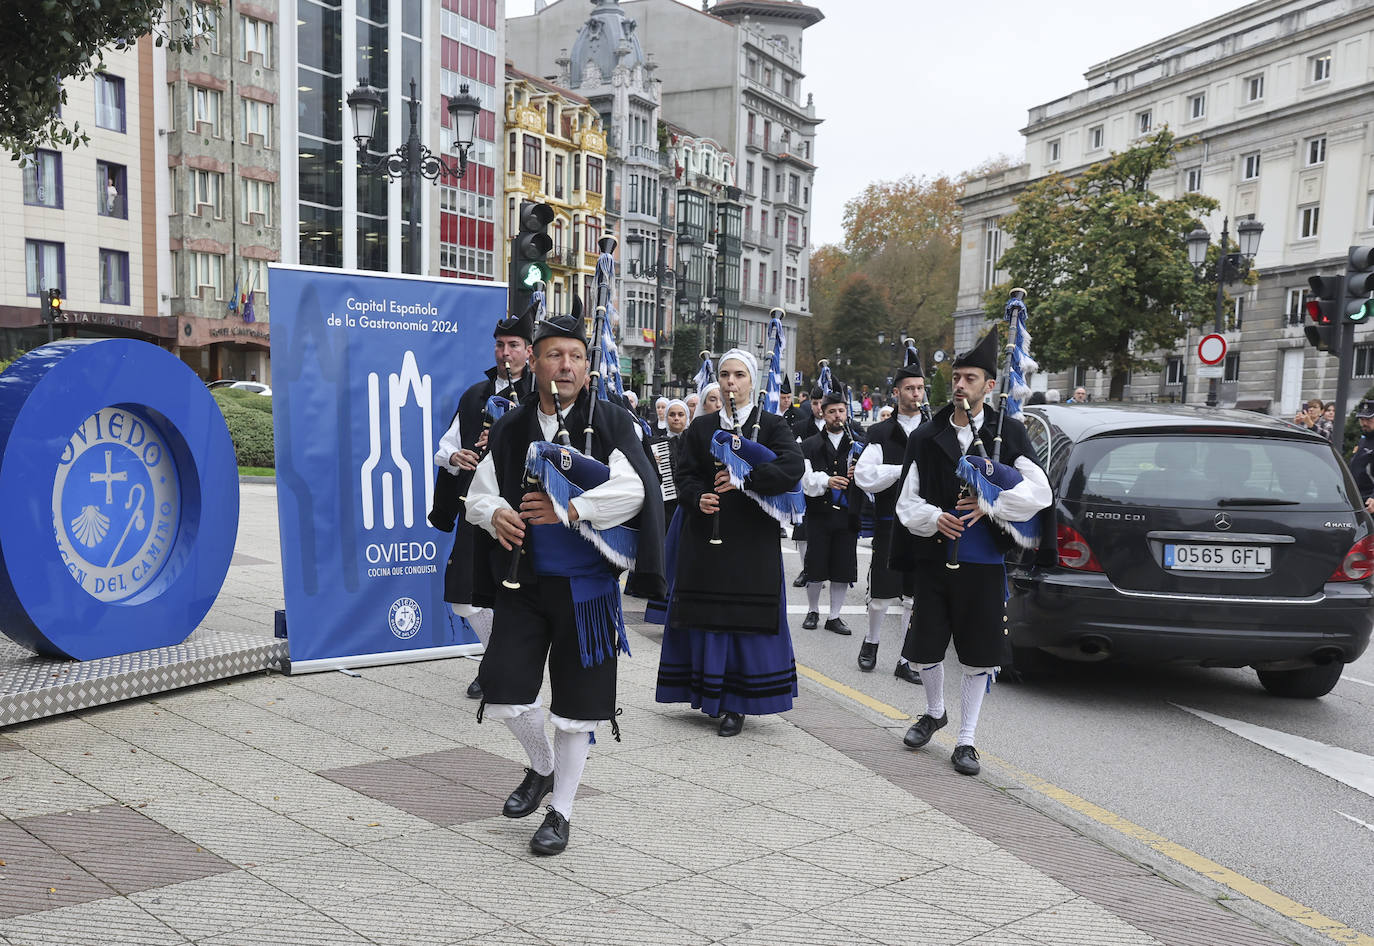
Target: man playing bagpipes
726,645
957,541
878,472
460,450
564,536
832,514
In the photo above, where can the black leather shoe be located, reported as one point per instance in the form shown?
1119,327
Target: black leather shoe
920,732
731,724
552,836
812,619
868,656
474,690
528,794
838,626
908,673
965,760
801,581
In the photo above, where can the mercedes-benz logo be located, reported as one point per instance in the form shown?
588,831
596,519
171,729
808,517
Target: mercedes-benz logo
1222,521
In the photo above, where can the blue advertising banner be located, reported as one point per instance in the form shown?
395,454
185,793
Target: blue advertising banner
367,369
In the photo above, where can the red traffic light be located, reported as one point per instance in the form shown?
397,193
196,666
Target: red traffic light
1315,313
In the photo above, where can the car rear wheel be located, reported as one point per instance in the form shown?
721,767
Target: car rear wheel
1305,684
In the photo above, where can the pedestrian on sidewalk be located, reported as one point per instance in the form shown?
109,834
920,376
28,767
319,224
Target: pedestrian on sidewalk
566,610
832,515
958,547
726,647
460,450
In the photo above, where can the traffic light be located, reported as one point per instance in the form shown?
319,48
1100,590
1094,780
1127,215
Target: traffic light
1359,283
54,305
1322,311
528,250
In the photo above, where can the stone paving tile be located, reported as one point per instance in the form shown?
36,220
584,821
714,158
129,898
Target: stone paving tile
866,861
891,918
413,916
143,864
838,811
769,829
302,929
82,830
325,880
612,923
684,802
236,829
198,909
940,838
507,936
1000,938
44,792
1080,922
696,846
6,745
750,783
302,791
790,881
990,901
359,820
109,922
610,773
708,907
34,882
605,866
1192,933
801,930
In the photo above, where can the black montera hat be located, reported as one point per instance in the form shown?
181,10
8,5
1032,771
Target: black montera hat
817,393
983,355
1365,408
834,397
521,327
786,386
912,368
560,326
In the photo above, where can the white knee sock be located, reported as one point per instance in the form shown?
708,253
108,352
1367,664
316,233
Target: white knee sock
528,727
813,595
975,687
933,679
569,758
906,623
877,610
838,590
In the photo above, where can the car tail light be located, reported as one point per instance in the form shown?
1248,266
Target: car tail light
1074,551
1358,563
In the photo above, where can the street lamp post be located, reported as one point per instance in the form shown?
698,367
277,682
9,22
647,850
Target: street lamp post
659,272
1230,267
412,160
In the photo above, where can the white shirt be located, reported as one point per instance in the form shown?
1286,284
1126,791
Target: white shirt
616,501
742,412
816,482
1017,504
451,442
871,473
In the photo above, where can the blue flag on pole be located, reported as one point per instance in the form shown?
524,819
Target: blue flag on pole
773,392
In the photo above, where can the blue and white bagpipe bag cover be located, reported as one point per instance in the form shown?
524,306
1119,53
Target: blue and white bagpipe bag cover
740,456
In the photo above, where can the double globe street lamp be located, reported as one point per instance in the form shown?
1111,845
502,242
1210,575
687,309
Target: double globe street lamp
1230,267
412,160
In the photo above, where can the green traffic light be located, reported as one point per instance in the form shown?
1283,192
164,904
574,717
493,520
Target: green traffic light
533,274
1363,312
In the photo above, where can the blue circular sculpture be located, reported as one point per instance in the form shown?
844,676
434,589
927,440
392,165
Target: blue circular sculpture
121,494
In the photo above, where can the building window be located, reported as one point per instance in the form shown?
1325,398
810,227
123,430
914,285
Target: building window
1144,121
559,175
1197,106
257,120
1231,370
1173,371
1080,377
111,181
1316,150
205,26
206,191
992,252
45,267
1319,67
205,108
1194,179
1254,88
532,154
206,271
43,180
114,277
593,175
1364,361
1309,217
1096,137
1052,149
1237,313
255,36
109,102
1252,166
1296,305
256,198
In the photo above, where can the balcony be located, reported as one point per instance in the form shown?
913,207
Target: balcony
768,300
755,142
565,258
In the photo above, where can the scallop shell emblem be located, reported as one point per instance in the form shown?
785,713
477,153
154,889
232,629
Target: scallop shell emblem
90,526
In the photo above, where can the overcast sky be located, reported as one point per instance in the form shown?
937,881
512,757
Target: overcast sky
927,88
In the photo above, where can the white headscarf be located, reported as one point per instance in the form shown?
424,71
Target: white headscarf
701,401
663,403
677,400
749,361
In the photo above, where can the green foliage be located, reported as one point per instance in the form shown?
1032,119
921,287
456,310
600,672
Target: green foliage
250,427
937,386
861,312
686,353
45,42
1104,263
250,399
6,362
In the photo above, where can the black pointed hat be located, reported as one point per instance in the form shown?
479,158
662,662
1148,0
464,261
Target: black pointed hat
834,397
786,386
577,307
560,326
912,368
983,355
521,327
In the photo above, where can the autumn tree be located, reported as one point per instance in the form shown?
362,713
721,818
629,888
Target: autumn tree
860,314
45,42
1103,260
686,352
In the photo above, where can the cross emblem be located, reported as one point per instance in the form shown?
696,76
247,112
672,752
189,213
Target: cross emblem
109,477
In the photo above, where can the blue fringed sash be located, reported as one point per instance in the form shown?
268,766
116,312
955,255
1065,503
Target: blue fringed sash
597,612
788,508
566,473
987,484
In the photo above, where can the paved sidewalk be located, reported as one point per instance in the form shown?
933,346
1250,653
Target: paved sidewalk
329,809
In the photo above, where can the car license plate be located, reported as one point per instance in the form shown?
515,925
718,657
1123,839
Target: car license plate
1217,558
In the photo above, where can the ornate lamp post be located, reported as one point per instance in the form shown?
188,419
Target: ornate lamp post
1230,267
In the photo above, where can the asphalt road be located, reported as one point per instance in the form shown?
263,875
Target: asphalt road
1121,738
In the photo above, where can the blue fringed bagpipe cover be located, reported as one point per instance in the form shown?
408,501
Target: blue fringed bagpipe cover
986,480
740,455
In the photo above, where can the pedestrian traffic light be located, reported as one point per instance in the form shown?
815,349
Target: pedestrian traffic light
1359,283
528,250
54,305
1322,312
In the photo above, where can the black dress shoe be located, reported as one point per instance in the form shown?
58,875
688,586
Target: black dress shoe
838,626
812,619
731,724
528,794
905,671
474,689
868,656
801,581
965,760
920,732
552,836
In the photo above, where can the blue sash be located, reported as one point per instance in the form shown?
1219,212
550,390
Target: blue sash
556,550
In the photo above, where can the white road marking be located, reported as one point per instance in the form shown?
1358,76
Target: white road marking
1354,819
1350,768
1357,680
847,609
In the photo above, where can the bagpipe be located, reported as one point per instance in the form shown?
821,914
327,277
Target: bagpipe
565,473
845,457
740,456
738,435
913,357
985,477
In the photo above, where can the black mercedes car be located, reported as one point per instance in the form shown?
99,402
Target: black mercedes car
1195,536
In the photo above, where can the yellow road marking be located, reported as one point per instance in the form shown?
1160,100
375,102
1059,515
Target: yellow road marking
1333,929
